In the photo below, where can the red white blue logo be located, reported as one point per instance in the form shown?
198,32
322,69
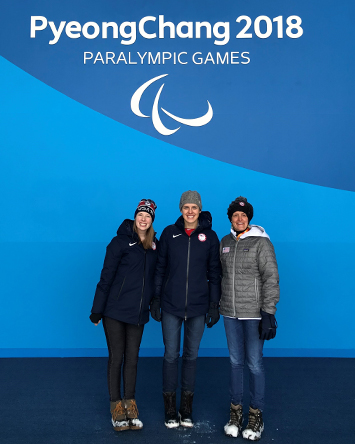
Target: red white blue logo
202,237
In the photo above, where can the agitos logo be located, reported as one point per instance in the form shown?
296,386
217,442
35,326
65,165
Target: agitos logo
158,125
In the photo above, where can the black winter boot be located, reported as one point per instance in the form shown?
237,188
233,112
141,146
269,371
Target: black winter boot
185,412
171,419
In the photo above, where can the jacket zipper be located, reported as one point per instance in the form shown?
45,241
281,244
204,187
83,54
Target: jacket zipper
187,276
256,291
235,253
140,306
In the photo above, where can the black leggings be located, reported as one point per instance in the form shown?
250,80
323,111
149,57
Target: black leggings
123,341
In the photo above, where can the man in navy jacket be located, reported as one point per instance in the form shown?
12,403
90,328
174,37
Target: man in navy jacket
187,290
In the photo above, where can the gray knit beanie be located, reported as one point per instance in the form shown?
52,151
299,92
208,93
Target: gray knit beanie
192,197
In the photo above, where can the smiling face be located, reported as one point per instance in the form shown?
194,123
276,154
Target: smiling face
190,213
143,221
239,221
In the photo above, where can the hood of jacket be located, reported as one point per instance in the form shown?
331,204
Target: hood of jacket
126,229
204,222
255,230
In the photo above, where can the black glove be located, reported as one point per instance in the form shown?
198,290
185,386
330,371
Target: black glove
95,317
267,326
155,309
212,316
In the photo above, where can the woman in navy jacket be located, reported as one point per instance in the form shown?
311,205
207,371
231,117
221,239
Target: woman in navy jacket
187,288
122,301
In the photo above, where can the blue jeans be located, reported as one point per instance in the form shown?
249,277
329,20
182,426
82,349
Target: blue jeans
245,346
193,331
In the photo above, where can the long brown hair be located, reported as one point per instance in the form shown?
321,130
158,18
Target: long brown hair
149,236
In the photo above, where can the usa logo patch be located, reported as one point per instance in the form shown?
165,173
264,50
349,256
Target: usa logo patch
202,237
226,250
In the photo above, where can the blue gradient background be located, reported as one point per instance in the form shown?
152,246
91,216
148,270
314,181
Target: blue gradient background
289,112
75,162
70,175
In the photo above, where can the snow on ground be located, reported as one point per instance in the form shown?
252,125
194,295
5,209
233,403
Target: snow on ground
189,436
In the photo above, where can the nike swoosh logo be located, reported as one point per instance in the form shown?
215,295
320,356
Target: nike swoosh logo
176,235
131,245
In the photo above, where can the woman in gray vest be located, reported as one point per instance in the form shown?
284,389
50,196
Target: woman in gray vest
250,292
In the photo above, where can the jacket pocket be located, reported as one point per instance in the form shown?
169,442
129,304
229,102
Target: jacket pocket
166,284
256,291
119,293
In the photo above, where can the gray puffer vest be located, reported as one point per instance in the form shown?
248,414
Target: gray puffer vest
250,279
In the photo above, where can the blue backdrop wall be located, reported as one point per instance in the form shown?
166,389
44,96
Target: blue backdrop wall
76,159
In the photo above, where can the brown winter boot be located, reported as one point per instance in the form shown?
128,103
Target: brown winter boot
119,419
132,414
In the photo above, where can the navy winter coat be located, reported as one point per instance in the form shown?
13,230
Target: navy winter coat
188,269
126,283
